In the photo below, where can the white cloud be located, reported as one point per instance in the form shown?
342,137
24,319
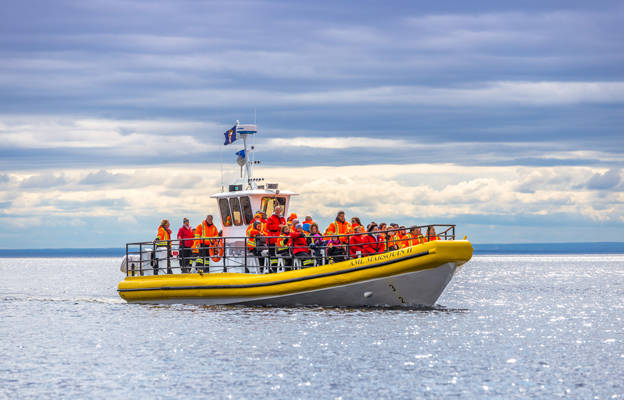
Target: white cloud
121,137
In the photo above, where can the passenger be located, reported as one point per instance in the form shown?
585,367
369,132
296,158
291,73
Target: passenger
316,244
255,241
201,247
355,222
373,242
402,239
339,227
185,246
431,234
163,247
382,227
283,247
356,242
392,237
275,223
257,217
307,223
415,236
300,246
335,250
290,220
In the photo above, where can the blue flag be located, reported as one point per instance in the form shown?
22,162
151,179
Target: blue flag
230,136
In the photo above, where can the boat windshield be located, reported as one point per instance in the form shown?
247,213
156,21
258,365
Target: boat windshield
236,211
226,218
268,204
247,212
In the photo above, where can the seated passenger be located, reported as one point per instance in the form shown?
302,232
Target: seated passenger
307,223
335,250
282,246
256,241
355,222
382,227
431,234
393,243
316,242
415,236
402,240
300,246
290,221
373,242
356,242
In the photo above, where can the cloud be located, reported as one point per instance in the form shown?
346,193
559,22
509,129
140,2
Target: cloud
605,180
4,178
44,180
103,177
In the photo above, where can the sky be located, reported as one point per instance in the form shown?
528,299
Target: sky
505,118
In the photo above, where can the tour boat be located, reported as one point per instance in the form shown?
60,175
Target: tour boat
412,276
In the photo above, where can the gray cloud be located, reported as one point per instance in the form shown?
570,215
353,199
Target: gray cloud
103,177
43,181
608,180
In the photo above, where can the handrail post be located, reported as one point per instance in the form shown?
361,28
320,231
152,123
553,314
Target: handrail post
245,253
155,258
127,262
169,271
141,259
224,254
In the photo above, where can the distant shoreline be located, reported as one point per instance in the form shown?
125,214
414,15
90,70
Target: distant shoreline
479,249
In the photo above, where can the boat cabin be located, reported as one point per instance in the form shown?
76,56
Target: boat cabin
237,207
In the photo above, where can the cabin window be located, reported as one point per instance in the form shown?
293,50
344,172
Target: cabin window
247,211
268,204
226,218
237,216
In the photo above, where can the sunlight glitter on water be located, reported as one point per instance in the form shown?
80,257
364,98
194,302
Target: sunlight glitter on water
507,327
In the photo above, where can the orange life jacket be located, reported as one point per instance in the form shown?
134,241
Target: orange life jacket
203,231
339,228
163,237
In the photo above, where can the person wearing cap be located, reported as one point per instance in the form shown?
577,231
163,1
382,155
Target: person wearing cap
184,246
307,224
291,218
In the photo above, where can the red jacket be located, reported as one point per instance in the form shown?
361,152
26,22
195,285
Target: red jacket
300,242
186,233
373,245
355,244
273,228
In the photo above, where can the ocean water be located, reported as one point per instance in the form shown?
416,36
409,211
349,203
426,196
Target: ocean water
541,326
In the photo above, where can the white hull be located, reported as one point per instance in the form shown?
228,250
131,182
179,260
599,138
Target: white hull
413,289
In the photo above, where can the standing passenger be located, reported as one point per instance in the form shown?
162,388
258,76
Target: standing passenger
163,247
339,227
201,247
184,246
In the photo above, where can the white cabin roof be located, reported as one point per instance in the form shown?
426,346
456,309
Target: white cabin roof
269,192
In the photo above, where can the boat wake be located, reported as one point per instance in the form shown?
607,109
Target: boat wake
74,300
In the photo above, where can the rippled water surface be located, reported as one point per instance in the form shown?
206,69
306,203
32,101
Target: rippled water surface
506,327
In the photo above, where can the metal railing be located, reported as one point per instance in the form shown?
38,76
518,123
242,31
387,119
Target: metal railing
227,254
